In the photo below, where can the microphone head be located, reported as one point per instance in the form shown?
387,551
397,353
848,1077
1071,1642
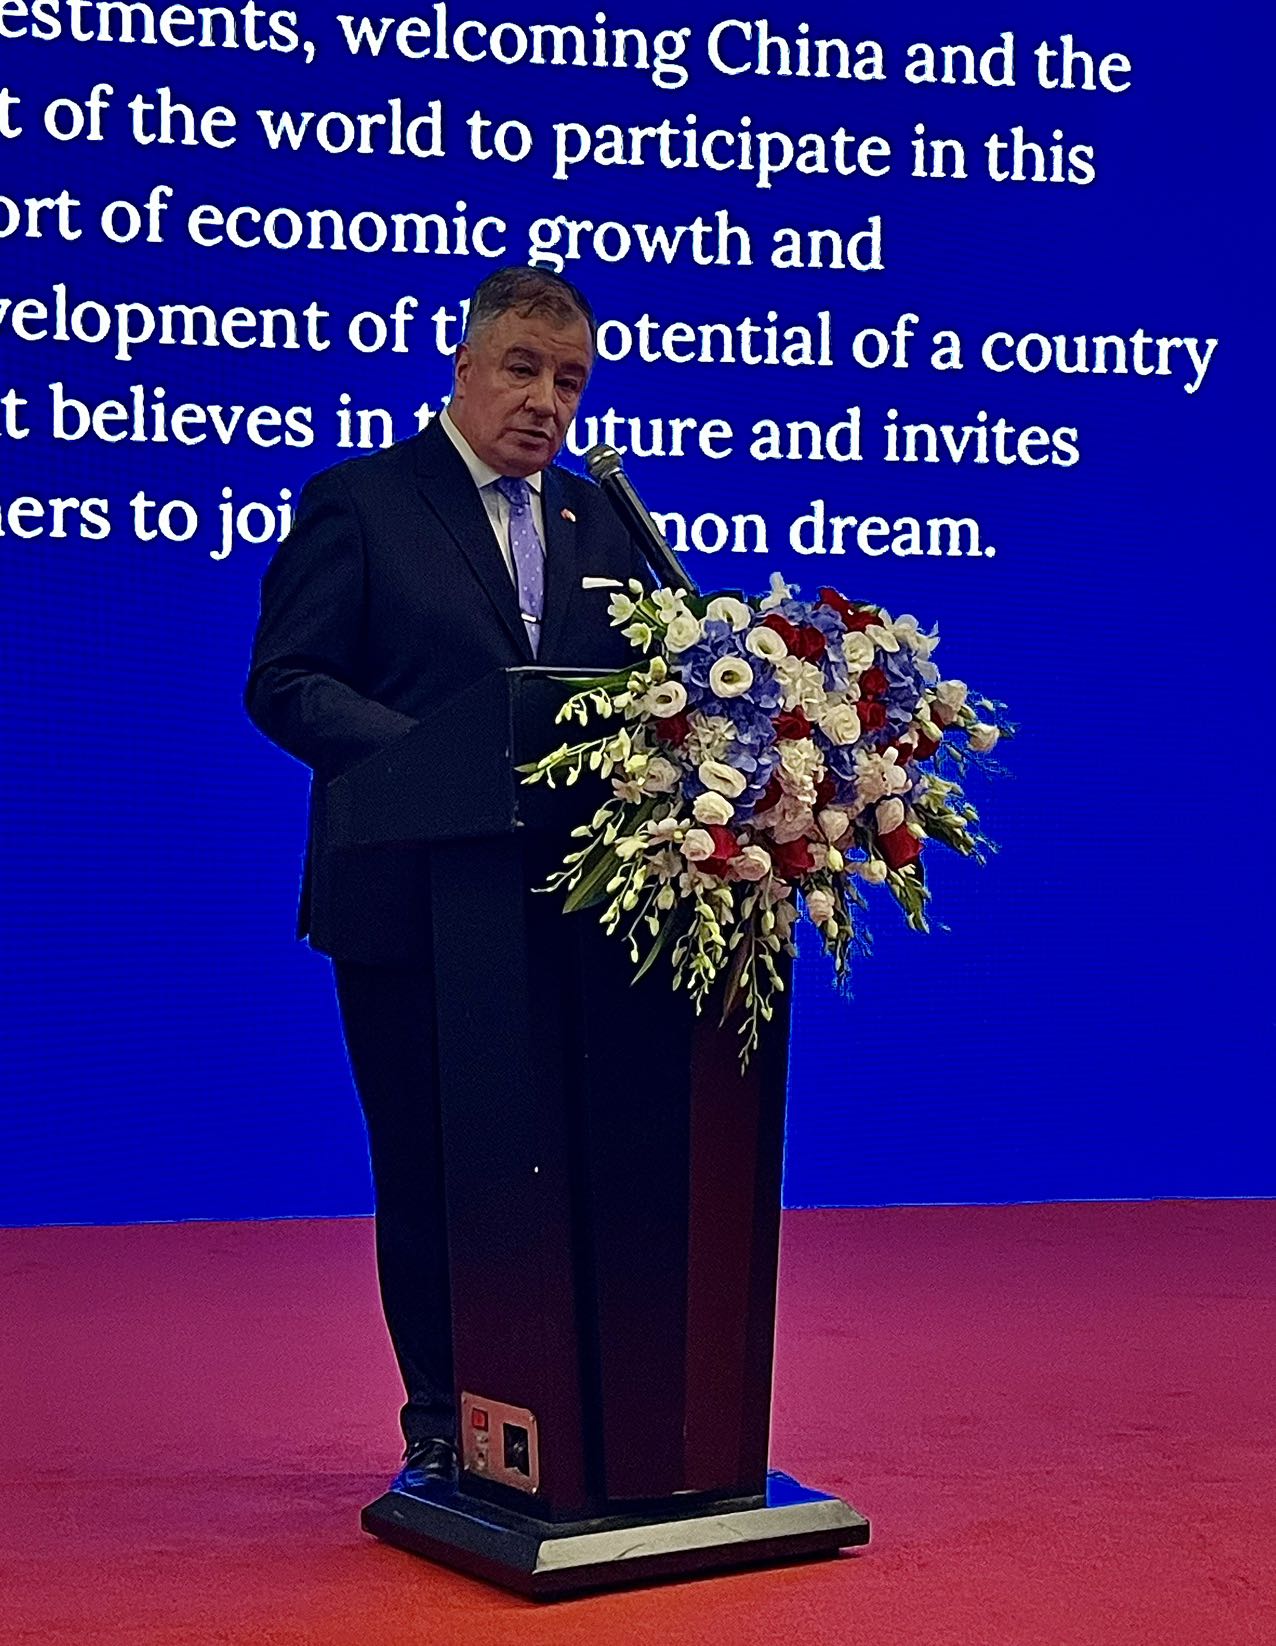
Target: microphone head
602,462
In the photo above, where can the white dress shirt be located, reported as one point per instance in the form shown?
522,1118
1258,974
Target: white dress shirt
494,499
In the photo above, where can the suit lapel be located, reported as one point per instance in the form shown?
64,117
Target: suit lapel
562,564
449,491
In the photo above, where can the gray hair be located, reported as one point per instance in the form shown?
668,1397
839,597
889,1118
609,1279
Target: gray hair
528,291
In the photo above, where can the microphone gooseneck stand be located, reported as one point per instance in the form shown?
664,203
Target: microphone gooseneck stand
603,463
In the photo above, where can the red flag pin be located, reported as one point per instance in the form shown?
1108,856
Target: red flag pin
569,516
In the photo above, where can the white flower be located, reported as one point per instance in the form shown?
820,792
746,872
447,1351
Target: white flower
819,905
882,635
776,895
683,631
857,649
660,777
668,603
877,775
790,819
802,685
800,764
780,592
712,807
840,724
709,738
819,853
697,845
670,697
638,634
725,609
660,831
716,774
730,677
906,629
620,608
766,644
874,871
889,814
751,864
835,821
983,737
627,789
950,695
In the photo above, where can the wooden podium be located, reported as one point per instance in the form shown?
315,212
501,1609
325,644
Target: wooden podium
613,1199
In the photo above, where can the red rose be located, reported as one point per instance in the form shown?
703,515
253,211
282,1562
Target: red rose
838,603
770,795
792,723
873,683
782,627
899,846
862,618
725,847
674,728
825,789
792,858
921,749
808,644
872,715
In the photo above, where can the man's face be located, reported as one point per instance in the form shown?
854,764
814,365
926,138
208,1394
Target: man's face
517,388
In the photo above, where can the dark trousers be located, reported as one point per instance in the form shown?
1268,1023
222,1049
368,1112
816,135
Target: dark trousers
387,1016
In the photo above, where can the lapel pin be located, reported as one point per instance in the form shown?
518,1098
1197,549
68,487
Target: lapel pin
569,516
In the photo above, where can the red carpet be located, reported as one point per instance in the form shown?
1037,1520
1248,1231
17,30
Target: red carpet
1060,1419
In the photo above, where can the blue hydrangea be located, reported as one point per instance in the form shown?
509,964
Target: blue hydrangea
695,664
904,688
718,640
839,761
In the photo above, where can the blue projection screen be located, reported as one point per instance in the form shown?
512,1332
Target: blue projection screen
954,308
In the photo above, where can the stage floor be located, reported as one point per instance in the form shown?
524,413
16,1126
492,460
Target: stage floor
1060,1420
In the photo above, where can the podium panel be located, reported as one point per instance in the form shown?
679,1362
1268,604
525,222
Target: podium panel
613,1188
613,1193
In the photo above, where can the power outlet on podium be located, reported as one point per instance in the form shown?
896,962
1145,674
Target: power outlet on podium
499,1442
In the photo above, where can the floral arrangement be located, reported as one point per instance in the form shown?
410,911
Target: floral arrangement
767,750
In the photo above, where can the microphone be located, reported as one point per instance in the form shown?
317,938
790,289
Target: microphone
603,463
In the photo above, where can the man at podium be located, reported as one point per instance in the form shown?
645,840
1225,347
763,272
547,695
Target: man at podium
409,574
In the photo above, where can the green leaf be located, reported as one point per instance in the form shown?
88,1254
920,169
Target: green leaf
662,942
591,887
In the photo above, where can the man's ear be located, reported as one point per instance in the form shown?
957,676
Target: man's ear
461,370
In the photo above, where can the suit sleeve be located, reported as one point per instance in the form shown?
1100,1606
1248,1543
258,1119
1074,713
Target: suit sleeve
306,651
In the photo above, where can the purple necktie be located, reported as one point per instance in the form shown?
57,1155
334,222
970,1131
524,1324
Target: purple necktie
528,555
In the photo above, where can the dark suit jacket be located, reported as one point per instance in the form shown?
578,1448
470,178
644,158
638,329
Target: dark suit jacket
388,595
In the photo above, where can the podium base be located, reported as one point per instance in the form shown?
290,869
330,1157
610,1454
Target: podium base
547,1559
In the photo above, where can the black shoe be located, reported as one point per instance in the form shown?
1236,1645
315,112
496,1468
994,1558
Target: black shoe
428,1461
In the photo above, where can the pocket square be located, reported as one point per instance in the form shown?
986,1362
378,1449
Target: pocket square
601,583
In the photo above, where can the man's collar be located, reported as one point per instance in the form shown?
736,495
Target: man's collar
483,474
